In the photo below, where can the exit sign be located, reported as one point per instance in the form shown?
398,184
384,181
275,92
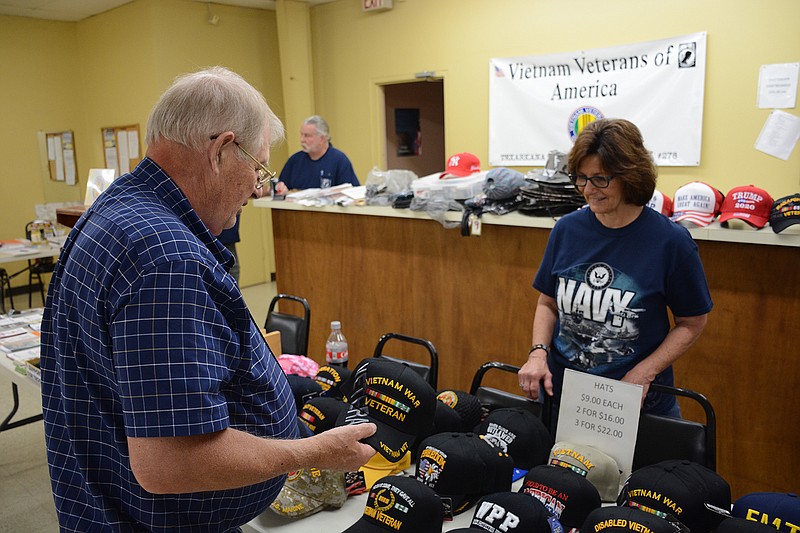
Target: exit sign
376,5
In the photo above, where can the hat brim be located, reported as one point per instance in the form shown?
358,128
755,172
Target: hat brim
697,218
378,467
285,504
782,223
391,443
755,221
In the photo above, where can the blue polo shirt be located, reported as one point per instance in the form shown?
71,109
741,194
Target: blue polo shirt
145,334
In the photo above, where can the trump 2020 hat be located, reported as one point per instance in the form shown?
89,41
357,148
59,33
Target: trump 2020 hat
462,467
461,165
598,467
507,512
678,488
308,491
320,414
330,380
661,202
568,496
697,203
519,433
748,203
779,510
785,212
400,504
396,398
624,519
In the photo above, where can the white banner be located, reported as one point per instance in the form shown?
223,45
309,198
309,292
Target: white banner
540,103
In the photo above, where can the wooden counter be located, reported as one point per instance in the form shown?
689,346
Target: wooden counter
399,271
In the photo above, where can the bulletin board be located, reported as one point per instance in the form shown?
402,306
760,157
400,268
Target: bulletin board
121,147
61,156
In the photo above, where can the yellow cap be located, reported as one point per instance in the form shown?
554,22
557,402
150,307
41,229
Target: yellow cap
379,467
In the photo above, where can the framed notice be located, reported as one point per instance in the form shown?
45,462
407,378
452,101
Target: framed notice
60,147
121,147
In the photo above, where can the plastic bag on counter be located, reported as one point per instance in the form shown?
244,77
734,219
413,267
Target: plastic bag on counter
383,186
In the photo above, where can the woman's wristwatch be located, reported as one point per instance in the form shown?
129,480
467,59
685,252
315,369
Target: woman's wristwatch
539,347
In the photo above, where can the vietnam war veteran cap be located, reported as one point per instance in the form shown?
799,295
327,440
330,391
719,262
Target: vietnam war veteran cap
566,494
779,510
507,512
598,467
462,467
678,488
308,491
519,433
397,503
623,519
396,398
321,413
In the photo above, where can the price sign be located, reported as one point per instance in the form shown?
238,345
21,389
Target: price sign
602,413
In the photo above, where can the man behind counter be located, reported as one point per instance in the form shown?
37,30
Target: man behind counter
318,164
163,408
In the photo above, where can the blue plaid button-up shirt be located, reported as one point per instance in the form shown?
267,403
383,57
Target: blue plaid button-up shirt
145,334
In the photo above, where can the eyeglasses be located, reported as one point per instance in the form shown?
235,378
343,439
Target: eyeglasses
264,174
579,180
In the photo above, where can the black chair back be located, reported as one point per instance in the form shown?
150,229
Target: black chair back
429,372
492,398
661,438
294,328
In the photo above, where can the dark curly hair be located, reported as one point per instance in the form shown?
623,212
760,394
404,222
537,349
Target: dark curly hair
620,146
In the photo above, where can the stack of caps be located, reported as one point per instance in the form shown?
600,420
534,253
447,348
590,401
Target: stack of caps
520,434
550,192
401,504
679,491
779,510
697,204
596,466
303,389
785,212
320,414
308,491
462,467
456,411
505,512
747,203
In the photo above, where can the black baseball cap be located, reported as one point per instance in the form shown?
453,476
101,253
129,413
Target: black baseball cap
679,488
518,432
303,389
623,519
743,525
400,504
331,378
321,413
566,494
508,512
463,467
785,212
466,405
396,398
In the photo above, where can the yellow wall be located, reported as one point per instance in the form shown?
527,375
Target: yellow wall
456,38
109,70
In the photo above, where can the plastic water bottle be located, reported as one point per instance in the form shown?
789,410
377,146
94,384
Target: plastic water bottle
336,347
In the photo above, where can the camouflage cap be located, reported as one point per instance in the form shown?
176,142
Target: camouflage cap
308,491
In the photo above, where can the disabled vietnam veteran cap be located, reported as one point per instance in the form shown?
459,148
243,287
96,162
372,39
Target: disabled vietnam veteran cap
507,512
785,212
568,496
396,398
308,491
400,504
779,510
461,165
463,467
697,203
624,519
519,433
598,467
330,380
748,203
685,490
320,414
661,202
